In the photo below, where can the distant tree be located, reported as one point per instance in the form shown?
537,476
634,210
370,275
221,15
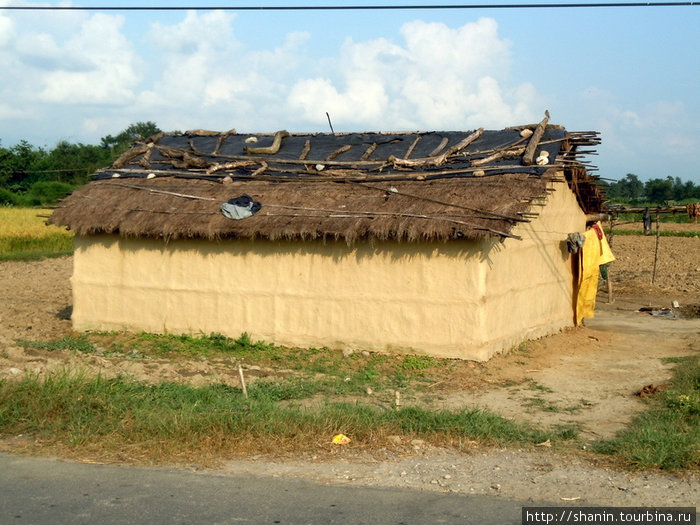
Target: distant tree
72,163
678,189
629,187
659,191
17,163
120,143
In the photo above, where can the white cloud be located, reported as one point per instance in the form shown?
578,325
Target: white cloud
210,79
7,31
199,75
98,65
662,132
439,78
8,112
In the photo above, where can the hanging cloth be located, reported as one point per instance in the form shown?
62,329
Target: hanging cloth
240,207
595,252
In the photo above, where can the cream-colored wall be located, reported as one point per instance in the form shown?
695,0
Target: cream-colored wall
530,281
456,299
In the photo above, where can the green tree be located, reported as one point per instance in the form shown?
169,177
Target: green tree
630,187
44,193
17,165
72,163
120,143
659,191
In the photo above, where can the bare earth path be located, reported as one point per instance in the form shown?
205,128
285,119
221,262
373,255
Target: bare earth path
585,376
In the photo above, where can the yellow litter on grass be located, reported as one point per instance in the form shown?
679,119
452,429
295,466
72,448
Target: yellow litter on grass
341,439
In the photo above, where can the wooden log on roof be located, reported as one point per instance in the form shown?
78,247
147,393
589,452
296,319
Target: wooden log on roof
201,132
305,152
145,161
440,159
440,147
338,152
221,140
529,155
230,166
260,170
272,149
504,153
412,147
368,152
131,154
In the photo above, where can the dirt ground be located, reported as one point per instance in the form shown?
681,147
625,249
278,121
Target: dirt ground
585,376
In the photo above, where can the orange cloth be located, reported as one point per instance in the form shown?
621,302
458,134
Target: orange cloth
595,252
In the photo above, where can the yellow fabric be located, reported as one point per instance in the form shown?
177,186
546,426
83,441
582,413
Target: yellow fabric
606,254
595,252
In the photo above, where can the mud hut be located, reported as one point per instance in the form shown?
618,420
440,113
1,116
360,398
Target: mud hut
451,244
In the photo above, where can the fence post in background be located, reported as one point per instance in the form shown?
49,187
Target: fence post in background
656,251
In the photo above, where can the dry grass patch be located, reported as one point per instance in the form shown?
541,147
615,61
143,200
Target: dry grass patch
24,235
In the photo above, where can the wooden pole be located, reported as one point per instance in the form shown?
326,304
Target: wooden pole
611,299
656,250
240,374
531,147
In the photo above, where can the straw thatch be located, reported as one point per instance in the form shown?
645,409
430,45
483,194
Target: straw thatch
412,186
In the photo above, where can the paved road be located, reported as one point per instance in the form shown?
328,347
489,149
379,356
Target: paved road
45,491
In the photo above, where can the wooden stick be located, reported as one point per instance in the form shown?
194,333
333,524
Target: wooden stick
338,152
368,152
611,236
173,193
412,146
221,140
260,170
134,152
529,154
656,250
230,166
269,150
240,374
440,159
440,147
305,151
498,155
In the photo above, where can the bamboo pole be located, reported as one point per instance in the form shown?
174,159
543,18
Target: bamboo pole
243,387
656,250
611,299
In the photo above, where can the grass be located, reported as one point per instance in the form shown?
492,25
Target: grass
163,422
320,393
79,343
661,233
339,375
25,236
667,435
678,217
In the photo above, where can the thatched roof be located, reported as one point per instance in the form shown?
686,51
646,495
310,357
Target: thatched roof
406,186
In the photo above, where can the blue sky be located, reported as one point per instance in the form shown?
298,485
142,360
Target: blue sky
631,73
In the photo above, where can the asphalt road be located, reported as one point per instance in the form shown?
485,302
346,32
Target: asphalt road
46,491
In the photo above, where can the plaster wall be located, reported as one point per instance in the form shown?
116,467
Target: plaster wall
530,282
457,299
